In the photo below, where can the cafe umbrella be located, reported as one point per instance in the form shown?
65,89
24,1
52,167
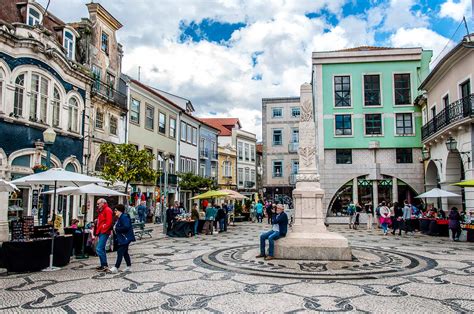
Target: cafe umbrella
465,184
6,186
435,193
210,194
56,177
234,195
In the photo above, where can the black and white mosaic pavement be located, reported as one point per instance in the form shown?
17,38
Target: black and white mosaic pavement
220,274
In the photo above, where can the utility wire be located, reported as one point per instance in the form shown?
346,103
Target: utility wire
449,42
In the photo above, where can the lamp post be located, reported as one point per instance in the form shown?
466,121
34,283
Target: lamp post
49,137
166,156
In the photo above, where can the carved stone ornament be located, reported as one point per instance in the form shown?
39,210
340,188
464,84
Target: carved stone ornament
307,154
307,177
307,111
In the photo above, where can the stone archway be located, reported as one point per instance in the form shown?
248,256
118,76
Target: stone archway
432,176
454,173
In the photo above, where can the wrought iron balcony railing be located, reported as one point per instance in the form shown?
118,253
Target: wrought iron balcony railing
204,153
458,110
109,93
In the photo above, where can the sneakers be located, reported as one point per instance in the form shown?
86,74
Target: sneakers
260,256
113,270
101,268
128,268
269,258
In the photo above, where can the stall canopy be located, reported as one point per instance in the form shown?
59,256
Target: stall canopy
465,184
435,193
6,186
210,194
234,195
91,189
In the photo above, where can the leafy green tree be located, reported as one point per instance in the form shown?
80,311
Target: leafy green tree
127,164
194,183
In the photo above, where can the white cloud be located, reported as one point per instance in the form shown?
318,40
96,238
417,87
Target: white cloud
402,13
455,10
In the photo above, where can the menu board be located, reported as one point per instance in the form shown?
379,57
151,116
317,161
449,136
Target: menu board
17,230
28,227
43,231
23,229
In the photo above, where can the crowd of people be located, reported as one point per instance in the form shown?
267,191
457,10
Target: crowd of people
400,217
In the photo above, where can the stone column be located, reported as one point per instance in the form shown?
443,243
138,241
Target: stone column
394,190
375,192
3,216
355,190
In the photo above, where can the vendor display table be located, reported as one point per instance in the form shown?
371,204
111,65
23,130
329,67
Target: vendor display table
181,229
470,231
34,255
435,227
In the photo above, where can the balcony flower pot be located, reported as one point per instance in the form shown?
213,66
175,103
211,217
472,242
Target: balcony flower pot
39,168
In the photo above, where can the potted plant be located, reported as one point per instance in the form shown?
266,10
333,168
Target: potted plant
39,168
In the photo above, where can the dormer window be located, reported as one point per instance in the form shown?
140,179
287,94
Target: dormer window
34,16
105,43
69,44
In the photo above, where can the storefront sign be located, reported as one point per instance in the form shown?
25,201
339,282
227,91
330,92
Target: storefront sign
35,200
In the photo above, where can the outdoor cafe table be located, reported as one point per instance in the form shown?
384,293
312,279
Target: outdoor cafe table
34,255
182,229
433,226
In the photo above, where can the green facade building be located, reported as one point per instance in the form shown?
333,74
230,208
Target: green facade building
369,130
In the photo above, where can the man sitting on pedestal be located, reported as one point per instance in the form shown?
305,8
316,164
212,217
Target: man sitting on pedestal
279,229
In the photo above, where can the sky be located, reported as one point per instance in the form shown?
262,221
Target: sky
226,55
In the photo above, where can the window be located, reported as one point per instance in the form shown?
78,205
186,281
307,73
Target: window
240,176
202,147
295,135
193,166
213,150
195,136
252,176
277,112
446,101
113,125
342,91
433,112
34,17
227,169
373,124
96,75
182,165
247,151
343,156
172,128
295,166
105,43
240,150
372,90
149,117
404,156
404,124
277,137
110,85
465,89
402,89
150,151
73,113
39,97
69,43
56,106
99,120
202,170
213,171
247,174
295,112
252,152
343,124
162,123
189,133
19,93
277,168
183,131
135,111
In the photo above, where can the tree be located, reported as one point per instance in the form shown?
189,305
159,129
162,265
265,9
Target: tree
127,164
194,183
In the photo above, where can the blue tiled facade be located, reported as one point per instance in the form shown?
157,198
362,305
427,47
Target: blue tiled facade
208,152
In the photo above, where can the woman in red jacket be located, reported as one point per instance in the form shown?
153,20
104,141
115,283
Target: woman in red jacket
103,230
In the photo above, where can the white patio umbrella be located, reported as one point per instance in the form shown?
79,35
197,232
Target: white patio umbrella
435,193
61,177
90,189
6,186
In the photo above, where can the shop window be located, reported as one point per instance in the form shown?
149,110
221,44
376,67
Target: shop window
404,155
343,156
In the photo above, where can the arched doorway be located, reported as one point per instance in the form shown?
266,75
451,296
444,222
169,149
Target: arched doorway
454,173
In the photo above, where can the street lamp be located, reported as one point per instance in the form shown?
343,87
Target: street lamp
165,156
425,153
49,137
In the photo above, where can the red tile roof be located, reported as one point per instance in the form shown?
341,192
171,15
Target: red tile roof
259,148
367,48
224,125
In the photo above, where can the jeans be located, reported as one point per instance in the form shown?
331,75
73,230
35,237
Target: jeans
351,220
272,236
385,227
122,252
196,224
100,249
141,217
456,232
407,223
221,225
226,219
260,217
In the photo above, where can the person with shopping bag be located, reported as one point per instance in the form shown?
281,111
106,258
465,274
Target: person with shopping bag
124,233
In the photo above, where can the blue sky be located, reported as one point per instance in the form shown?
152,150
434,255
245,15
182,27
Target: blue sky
225,56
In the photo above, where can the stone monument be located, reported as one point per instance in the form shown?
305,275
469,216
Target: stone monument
309,239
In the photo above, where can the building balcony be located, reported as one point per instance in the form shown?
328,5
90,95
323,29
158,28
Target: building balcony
293,147
214,155
292,179
204,154
107,93
462,109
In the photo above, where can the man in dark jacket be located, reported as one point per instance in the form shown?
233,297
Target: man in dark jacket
103,230
124,233
279,230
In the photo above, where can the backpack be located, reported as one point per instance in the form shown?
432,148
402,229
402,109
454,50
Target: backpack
351,209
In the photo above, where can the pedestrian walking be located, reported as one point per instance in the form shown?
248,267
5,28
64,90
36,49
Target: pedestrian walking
407,213
259,211
103,230
384,217
141,209
397,219
351,210
369,210
220,217
454,223
195,217
124,233
358,210
269,212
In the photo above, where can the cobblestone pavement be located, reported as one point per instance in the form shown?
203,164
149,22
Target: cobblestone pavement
218,273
